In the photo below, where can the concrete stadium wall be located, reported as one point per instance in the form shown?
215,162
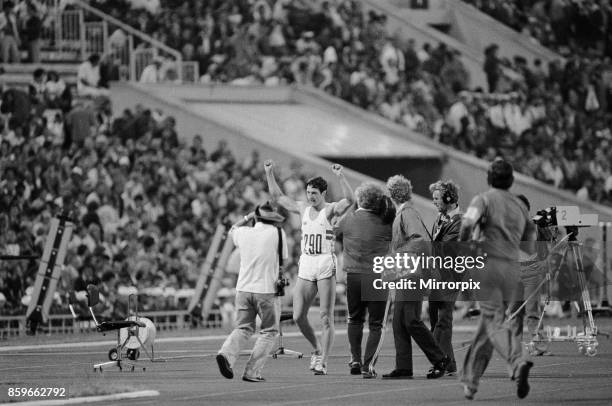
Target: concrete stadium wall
169,98
468,171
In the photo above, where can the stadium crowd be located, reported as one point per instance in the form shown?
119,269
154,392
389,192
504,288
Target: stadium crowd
145,203
563,25
550,121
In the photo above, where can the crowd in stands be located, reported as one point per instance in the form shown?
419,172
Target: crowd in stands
566,26
22,25
551,121
145,203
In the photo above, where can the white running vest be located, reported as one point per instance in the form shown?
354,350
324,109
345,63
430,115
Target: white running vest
317,235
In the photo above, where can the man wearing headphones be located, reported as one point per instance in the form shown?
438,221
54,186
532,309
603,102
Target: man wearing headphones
503,223
445,233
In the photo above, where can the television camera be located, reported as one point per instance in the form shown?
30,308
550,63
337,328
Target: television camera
570,218
564,216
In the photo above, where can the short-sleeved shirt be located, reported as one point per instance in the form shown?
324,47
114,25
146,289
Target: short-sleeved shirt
364,236
505,223
258,257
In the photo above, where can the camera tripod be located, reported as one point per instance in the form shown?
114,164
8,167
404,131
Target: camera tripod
586,339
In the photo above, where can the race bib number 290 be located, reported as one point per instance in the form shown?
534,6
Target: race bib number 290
313,243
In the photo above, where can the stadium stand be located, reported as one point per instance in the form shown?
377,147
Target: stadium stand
350,54
563,25
148,204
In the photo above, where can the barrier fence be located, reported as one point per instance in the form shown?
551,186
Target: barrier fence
63,324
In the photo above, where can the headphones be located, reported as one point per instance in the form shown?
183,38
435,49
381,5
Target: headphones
449,196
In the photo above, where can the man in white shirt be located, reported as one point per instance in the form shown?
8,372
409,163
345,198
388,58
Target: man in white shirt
88,78
458,113
151,73
255,290
392,61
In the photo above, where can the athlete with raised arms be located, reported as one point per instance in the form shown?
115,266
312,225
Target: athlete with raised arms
317,266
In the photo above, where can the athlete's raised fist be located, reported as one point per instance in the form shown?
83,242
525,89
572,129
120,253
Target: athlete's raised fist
268,165
337,169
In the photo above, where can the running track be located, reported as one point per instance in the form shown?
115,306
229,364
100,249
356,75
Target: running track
190,376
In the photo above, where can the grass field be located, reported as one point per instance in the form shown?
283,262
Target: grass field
190,375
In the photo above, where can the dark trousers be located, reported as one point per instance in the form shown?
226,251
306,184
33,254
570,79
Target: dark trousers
441,318
407,325
361,296
500,284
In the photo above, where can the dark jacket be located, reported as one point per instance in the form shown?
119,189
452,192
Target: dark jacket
364,236
446,242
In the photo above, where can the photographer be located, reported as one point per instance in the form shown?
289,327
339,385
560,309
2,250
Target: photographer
365,235
533,270
257,290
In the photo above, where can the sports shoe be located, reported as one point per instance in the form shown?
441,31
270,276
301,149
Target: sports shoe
314,358
355,367
468,392
224,366
320,368
253,378
522,384
398,374
369,374
438,370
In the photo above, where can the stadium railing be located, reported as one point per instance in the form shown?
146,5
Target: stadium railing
15,326
81,30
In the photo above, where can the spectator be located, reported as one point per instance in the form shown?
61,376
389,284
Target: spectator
18,104
33,31
88,78
37,86
57,94
152,72
80,124
492,67
9,43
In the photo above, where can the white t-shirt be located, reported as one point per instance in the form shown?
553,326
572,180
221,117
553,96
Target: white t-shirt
150,74
258,257
90,73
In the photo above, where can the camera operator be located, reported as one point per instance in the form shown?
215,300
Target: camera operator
365,235
257,290
445,233
533,270
503,222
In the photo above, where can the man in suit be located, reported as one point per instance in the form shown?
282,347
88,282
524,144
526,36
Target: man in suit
409,235
445,234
